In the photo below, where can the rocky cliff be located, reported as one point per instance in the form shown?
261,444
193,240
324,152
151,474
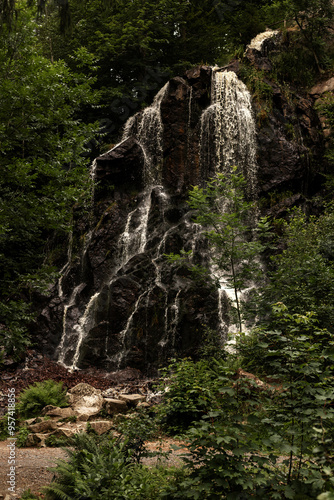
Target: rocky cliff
118,302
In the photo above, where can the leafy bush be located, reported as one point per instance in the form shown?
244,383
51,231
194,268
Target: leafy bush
4,427
29,495
33,399
189,393
263,440
302,276
135,429
58,442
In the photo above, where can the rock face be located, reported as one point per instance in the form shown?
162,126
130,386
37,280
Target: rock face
119,303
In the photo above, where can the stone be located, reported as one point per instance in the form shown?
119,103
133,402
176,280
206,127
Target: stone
48,408
33,439
123,164
321,88
132,399
101,426
144,404
67,431
86,401
84,392
84,413
31,421
115,406
45,426
59,412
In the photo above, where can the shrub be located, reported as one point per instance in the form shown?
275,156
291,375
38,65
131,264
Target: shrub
29,495
135,429
33,399
189,393
265,441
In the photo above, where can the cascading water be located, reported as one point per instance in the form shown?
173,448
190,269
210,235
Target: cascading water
228,134
228,138
147,127
132,241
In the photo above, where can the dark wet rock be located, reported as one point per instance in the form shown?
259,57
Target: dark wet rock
142,310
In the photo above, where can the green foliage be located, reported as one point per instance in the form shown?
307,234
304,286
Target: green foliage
257,83
14,337
103,468
136,429
189,393
302,276
238,446
221,208
43,169
325,107
33,399
21,437
29,495
4,427
57,442
211,347
309,50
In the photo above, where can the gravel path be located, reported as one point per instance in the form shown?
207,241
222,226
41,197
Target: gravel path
30,467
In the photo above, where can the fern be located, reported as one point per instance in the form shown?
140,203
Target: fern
33,399
100,468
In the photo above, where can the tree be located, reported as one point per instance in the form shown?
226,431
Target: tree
302,275
43,165
229,226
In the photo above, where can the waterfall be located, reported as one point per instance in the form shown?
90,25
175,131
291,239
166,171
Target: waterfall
258,41
150,225
228,134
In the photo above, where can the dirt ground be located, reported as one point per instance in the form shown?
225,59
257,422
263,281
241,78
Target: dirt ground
31,467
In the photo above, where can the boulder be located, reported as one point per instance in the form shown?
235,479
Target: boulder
123,164
85,395
101,426
68,430
144,404
85,413
31,421
322,87
59,413
45,426
132,399
37,439
115,406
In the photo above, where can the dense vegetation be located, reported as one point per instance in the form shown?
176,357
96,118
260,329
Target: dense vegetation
248,437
